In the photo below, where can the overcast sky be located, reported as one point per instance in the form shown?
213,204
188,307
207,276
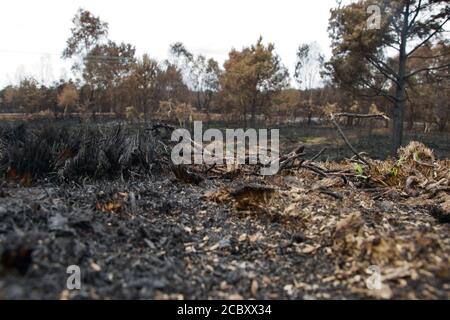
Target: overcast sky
34,32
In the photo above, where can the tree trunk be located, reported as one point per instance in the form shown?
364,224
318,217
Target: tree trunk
253,113
442,124
199,101
66,110
400,94
245,117
411,121
310,114
253,117
398,116
349,122
145,109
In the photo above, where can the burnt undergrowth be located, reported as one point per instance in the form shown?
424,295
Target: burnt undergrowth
98,151
105,197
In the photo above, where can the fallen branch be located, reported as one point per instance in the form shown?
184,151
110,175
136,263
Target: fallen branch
314,169
363,116
210,168
290,159
333,194
317,155
332,118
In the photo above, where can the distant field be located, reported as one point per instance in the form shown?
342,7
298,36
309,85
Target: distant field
377,142
42,115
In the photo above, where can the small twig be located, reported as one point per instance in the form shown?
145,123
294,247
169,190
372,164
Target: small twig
298,150
317,155
210,168
290,159
356,161
346,140
331,193
424,164
315,169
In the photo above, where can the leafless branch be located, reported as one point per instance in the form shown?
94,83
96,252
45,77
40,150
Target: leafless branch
332,118
428,38
417,11
379,91
365,116
427,69
317,155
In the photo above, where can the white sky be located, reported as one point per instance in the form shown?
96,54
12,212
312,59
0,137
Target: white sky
35,31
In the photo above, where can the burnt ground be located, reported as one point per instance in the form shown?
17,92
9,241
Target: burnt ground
167,241
174,244
296,235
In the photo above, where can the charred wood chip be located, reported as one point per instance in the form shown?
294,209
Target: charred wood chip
184,174
231,175
251,188
18,258
439,213
253,195
299,237
330,193
3,193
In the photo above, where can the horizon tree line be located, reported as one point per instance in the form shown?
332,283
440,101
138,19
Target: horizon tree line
401,69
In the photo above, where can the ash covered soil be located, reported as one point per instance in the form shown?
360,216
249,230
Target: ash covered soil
173,244
167,241
311,232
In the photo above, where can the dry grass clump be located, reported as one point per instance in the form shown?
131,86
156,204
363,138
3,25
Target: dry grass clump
416,170
418,152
